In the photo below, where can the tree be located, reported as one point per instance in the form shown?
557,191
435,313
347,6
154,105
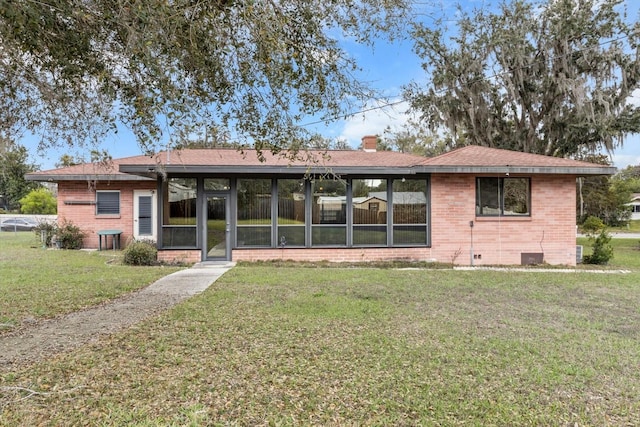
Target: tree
551,78
39,201
603,197
72,70
414,138
67,160
319,142
602,251
631,176
212,137
13,167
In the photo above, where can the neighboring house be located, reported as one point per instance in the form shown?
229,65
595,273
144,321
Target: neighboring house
473,205
635,206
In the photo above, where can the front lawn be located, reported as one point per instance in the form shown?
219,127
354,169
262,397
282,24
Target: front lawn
39,283
274,345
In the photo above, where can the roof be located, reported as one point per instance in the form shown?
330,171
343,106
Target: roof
476,159
102,171
471,159
340,162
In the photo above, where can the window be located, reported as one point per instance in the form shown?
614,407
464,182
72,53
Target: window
216,184
254,212
179,213
503,196
369,208
291,212
409,212
107,203
329,213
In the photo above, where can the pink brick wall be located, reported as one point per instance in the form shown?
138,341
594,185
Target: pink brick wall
550,229
179,256
84,215
332,254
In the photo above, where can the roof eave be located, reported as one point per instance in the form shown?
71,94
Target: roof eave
149,171
84,177
533,170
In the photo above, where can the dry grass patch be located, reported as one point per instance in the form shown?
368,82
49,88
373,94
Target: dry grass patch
301,346
36,283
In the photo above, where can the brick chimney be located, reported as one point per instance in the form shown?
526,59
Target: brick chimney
369,143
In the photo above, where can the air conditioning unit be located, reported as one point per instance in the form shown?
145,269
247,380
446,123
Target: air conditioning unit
579,250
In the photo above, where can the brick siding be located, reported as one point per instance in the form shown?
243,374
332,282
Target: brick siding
84,215
551,228
333,254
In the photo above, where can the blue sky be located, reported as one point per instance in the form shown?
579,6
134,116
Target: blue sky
387,67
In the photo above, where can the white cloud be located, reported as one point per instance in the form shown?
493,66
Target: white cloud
374,121
629,154
621,161
634,99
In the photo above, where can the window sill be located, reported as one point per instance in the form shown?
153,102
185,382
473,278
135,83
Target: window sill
108,216
524,218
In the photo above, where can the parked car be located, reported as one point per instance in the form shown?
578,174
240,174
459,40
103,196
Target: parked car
18,224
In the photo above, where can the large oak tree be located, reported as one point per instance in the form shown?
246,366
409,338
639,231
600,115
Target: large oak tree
74,70
550,78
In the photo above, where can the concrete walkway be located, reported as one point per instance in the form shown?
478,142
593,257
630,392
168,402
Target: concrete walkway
43,339
186,283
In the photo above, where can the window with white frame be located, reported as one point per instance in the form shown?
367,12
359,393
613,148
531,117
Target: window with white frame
107,203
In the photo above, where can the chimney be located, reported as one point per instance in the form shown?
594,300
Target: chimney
369,143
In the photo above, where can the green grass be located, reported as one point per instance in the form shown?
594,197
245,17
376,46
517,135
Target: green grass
303,345
626,252
632,227
38,283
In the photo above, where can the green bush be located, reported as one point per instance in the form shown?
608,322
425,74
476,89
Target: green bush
69,236
45,231
592,225
602,249
39,201
140,253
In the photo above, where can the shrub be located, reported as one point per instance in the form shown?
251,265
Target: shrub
45,231
69,236
602,250
140,253
592,225
39,201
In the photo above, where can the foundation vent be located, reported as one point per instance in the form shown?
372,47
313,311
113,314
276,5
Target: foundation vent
531,258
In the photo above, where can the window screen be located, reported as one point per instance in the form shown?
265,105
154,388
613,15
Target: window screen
107,202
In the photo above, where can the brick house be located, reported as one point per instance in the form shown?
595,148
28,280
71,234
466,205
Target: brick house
472,205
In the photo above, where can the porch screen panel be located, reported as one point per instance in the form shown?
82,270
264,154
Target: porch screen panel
329,213
369,209
179,213
410,212
291,212
254,213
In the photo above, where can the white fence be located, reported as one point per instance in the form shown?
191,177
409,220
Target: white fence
37,218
